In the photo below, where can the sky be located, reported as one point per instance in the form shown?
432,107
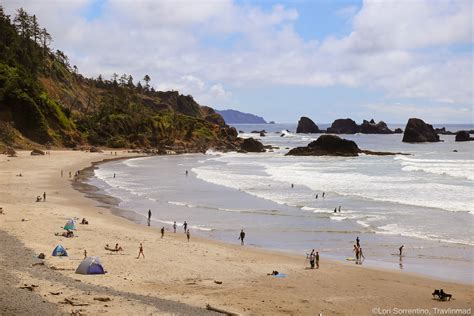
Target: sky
325,59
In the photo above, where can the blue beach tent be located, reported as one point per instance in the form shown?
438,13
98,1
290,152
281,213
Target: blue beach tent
90,265
59,251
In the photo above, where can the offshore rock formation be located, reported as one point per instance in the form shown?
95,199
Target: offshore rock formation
417,131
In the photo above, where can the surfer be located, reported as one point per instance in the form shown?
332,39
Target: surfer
335,210
401,250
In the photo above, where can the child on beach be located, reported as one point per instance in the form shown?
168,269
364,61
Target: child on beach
140,252
188,235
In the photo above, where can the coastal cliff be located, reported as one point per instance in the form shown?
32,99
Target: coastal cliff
44,100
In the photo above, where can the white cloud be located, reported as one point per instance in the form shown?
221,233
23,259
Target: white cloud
399,47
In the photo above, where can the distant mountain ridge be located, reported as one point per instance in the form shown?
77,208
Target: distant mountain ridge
237,117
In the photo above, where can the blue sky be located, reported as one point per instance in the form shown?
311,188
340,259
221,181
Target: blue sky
387,60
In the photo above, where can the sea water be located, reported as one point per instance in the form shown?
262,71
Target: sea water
423,201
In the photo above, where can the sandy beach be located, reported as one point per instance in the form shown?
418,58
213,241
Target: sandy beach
176,277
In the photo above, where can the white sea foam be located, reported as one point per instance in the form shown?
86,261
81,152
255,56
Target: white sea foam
394,229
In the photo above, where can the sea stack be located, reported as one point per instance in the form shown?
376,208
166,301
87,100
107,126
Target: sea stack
251,145
463,136
417,131
327,145
307,126
374,128
344,126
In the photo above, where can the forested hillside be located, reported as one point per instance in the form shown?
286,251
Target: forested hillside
45,100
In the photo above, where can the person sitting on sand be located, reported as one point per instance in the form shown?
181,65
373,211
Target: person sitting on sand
38,198
84,222
118,248
140,252
273,273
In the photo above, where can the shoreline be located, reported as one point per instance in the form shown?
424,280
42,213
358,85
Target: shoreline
189,278
414,265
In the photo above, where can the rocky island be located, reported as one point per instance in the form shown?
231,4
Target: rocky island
332,145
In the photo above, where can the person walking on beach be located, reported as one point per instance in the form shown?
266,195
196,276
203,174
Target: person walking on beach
185,226
358,242
317,260
312,258
188,234
149,217
44,196
174,227
162,232
85,253
401,250
242,237
140,252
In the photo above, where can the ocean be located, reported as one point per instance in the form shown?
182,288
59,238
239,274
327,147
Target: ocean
423,201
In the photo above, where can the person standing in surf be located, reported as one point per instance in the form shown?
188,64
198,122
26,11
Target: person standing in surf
185,226
401,250
242,237
174,227
149,217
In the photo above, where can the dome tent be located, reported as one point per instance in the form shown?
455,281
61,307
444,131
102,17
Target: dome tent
59,251
90,265
70,225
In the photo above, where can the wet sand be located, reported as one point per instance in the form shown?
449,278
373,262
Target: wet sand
176,277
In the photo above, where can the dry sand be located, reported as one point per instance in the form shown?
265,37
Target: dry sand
176,277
